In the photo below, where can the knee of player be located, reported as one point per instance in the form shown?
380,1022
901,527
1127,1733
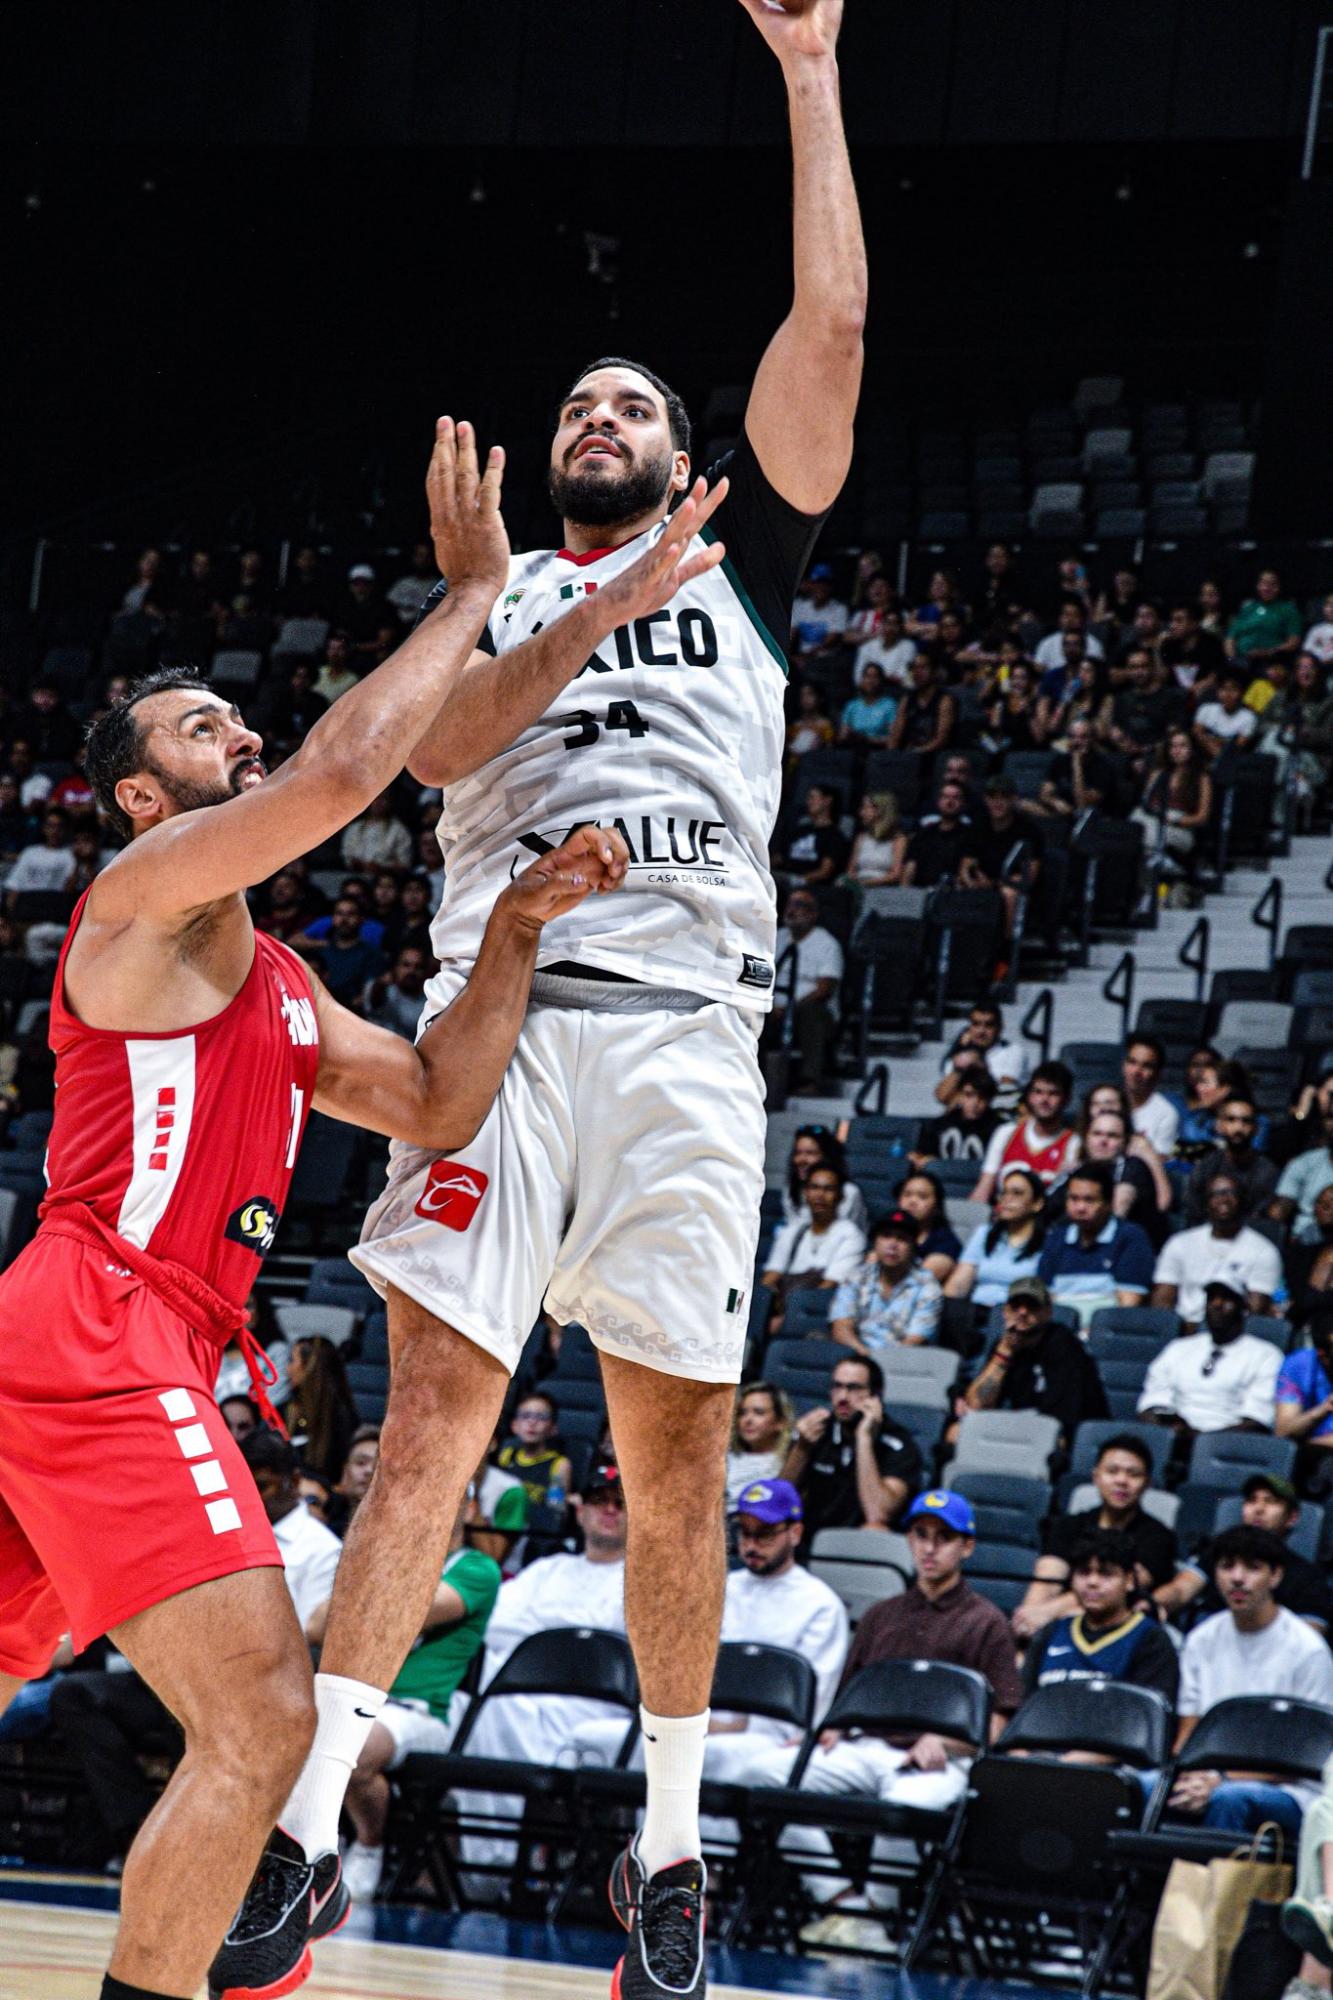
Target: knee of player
267,1723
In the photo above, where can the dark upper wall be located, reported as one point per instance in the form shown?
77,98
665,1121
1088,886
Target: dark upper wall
651,72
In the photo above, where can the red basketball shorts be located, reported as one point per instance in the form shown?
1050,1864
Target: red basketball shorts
120,1484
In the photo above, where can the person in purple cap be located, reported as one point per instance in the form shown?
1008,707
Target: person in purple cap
938,1617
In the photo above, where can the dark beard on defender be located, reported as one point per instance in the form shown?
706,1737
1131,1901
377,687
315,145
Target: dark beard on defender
591,500
190,797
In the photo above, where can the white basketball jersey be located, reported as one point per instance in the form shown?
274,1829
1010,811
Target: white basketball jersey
673,733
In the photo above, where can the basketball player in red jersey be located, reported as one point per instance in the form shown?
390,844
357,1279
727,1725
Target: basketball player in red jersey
189,1051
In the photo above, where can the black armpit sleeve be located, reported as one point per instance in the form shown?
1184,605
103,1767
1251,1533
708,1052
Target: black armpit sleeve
768,540
485,644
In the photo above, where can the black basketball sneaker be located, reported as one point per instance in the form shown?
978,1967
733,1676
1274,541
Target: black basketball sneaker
291,1901
664,1915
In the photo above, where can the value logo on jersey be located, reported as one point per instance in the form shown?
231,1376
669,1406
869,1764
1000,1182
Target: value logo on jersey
452,1194
255,1224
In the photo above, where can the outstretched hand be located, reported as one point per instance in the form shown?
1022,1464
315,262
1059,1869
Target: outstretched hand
466,526
669,564
592,860
796,29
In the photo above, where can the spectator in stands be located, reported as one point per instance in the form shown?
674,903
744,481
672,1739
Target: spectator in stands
771,1600
1318,641
1071,622
818,970
378,839
1223,1245
1140,1186
1037,1364
853,1466
424,1707
289,709
814,1146
937,1245
34,785
817,850
1209,1081
411,590
1272,1504
339,671
1152,1113
233,1376
1095,1259
1192,656
1043,1140
1177,801
1013,719
502,1513
46,866
761,1433
818,619
1109,1636
982,1043
287,907
149,581
1122,1475
1236,1154
1009,1247
319,1414
534,1453
1219,1379
393,997
1305,1400
1226,723
584,1589
307,592
871,598
1266,624
408,923
348,961
817,1250
1298,723
1253,1647
1213,615
53,732
891,650
967,1127
240,1414
309,1552
942,596
1309,1267
868,717
1275,679
1145,708
365,617
1006,848
17,827
810,728
892,1298
73,794
943,844
939,1617
927,715
1306,1177
876,858
1081,776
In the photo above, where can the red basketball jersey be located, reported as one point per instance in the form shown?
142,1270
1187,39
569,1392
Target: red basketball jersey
183,1143
1047,1158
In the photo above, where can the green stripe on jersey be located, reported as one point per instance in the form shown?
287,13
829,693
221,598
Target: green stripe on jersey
709,534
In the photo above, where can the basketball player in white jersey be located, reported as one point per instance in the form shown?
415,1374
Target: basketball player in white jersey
619,1175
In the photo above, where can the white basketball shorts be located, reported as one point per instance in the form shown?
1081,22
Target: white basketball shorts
617,1178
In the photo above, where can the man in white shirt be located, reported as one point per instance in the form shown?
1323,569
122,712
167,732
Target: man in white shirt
1153,1116
310,1551
1072,619
1254,1647
410,592
818,975
1222,1246
770,1601
982,1041
1226,721
818,617
47,864
819,1240
1319,638
1218,1379
560,1590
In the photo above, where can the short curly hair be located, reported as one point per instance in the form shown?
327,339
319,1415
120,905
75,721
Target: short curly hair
114,742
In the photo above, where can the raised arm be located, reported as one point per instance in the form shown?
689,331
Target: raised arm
438,1093
351,754
813,364
498,698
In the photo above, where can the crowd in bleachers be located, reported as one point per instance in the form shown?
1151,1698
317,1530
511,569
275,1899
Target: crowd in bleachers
1040,1387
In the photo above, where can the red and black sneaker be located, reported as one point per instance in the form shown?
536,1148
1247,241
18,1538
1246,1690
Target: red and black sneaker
289,1904
664,1915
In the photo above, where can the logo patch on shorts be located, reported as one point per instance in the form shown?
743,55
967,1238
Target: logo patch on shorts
756,972
452,1193
255,1224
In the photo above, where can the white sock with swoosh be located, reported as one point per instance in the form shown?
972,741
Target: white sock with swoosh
347,1712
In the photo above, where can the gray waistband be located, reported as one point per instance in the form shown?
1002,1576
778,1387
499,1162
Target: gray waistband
554,989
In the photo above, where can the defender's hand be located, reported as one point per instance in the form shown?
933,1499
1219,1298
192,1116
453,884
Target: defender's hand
592,859
466,526
796,29
668,565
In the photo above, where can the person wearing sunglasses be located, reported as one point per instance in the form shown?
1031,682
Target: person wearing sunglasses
1218,1379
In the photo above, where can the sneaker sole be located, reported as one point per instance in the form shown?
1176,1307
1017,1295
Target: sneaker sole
290,1981
615,1980
1301,1928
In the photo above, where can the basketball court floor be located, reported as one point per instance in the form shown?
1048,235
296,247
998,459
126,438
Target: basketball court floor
56,1931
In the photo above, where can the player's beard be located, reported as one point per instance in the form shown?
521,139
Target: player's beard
189,795
592,500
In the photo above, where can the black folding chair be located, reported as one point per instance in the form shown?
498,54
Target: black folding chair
577,1661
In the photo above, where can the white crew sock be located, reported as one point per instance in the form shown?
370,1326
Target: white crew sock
347,1712
673,1751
